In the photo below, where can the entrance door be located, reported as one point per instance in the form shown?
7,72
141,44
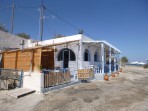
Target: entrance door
66,58
47,60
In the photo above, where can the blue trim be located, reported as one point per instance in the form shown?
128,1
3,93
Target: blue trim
21,79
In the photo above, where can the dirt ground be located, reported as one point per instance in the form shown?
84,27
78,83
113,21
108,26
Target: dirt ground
128,91
26,103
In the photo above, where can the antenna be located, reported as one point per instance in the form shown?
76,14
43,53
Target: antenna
12,17
41,19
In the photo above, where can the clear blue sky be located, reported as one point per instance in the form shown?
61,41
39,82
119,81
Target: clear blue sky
123,23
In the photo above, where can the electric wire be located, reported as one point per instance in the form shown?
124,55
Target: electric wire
61,18
5,7
50,12
29,7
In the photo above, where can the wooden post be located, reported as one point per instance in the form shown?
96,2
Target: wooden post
115,60
102,57
40,57
110,60
16,59
32,61
81,54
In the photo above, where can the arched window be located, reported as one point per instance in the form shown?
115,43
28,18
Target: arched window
69,53
86,55
96,58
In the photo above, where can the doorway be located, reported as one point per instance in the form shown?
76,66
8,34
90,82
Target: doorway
65,55
66,58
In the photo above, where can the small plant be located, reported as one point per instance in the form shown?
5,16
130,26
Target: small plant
38,67
145,66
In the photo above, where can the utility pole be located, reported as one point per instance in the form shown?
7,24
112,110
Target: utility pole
12,18
41,20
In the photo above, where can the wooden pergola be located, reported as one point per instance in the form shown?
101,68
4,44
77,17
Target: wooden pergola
31,59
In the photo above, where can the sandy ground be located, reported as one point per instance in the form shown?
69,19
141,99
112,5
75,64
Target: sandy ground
128,91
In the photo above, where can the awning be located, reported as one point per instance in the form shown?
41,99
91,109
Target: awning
98,42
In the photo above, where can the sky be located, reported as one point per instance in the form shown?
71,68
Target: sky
123,23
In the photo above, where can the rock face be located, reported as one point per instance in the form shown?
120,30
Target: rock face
8,40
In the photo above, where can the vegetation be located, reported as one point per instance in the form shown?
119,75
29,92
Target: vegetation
2,28
124,60
145,66
23,35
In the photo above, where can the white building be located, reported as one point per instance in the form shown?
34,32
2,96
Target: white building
83,52
70,52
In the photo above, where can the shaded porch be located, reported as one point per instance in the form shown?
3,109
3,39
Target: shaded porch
109,56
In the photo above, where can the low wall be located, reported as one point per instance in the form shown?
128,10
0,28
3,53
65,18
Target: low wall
34,81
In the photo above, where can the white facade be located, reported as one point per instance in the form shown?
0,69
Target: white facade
78,47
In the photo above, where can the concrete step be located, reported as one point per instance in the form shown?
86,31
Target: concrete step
20,92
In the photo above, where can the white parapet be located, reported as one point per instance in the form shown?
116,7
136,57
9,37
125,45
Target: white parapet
33,80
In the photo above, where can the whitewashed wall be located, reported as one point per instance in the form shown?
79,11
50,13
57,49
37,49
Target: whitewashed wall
92,50
34,80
